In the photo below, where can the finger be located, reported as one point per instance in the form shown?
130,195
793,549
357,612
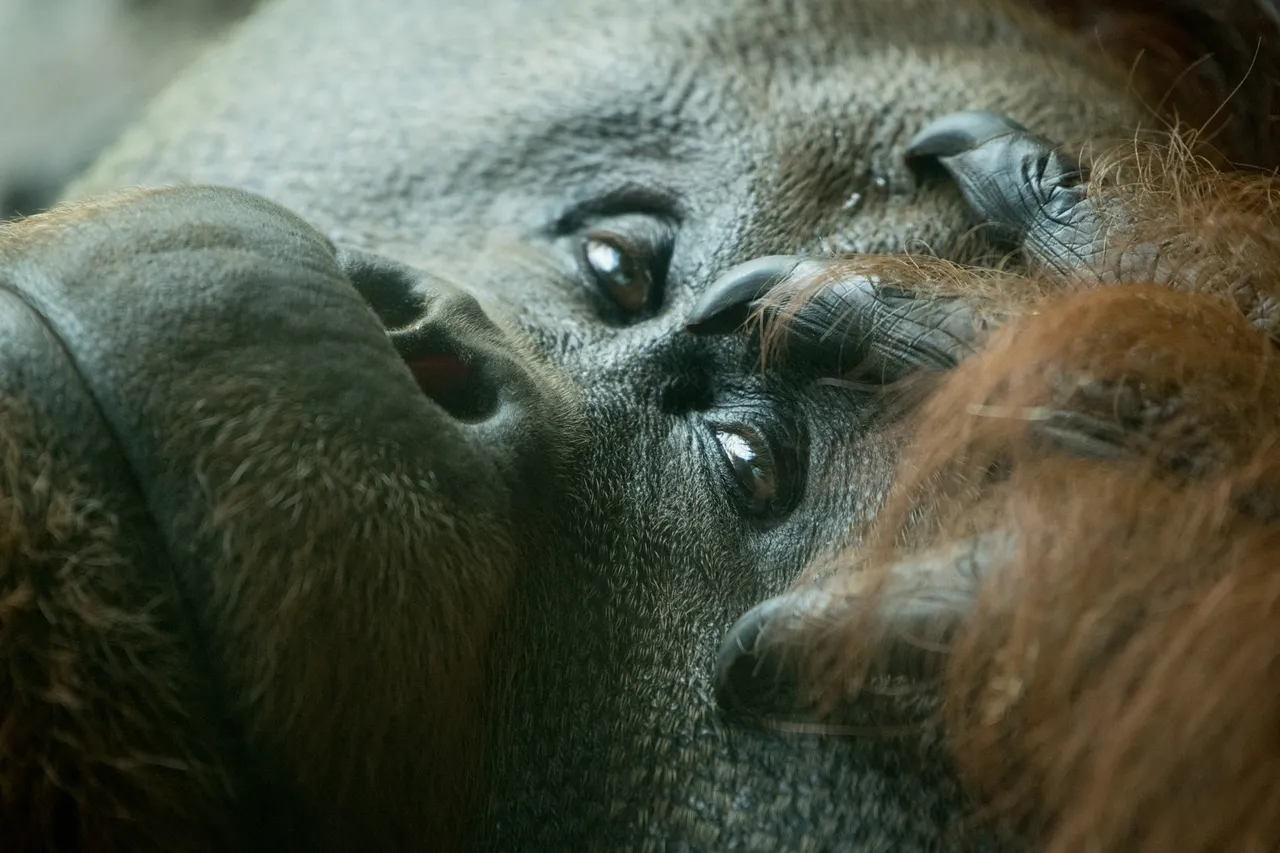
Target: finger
758,665
1020,183
1085,435
848,320
912,621
730,300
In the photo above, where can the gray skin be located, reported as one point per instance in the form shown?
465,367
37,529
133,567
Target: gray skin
478,142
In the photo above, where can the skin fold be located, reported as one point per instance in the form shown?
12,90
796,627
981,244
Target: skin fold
451,508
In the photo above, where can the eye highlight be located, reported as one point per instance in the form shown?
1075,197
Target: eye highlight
752,463
765,482
618,271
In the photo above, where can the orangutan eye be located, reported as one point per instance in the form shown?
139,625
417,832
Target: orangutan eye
619,271
627,260
752,463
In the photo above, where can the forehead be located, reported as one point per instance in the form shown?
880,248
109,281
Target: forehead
391,122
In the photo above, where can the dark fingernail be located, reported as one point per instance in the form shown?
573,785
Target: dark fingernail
727,303
960,132
758,667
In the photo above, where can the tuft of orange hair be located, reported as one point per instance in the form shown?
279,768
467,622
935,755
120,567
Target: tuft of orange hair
1111,679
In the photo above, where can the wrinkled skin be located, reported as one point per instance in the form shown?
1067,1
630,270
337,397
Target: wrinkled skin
477,143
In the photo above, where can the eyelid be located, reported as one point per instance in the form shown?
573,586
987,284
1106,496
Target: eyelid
638,229
624,201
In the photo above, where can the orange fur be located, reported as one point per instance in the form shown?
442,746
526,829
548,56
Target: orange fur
1112,687
1210,64
82,767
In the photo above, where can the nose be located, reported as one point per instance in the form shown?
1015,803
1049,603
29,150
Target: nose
459,357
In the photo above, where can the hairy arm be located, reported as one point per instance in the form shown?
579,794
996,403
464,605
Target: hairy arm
1077,550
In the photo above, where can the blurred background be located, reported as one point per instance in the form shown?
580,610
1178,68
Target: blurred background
74,72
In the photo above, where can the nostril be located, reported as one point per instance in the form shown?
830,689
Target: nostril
387,286
454,385
437,330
